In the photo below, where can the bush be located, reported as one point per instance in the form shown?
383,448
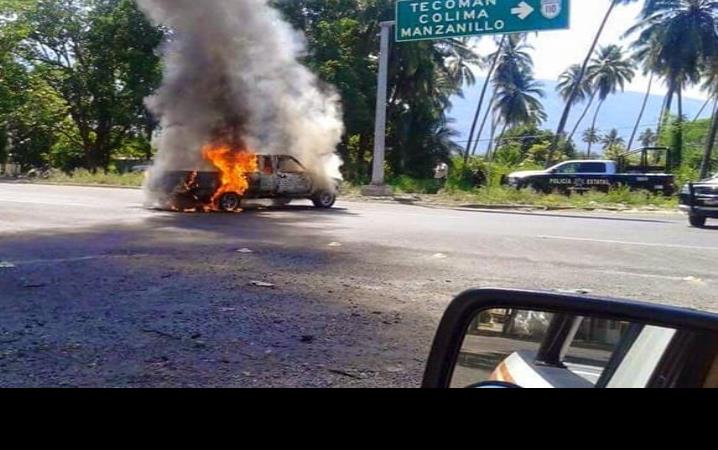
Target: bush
408,185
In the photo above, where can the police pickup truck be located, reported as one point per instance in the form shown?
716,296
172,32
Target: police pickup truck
700,201
585,175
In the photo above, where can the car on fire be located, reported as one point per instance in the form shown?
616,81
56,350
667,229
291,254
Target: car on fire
700,201
281,178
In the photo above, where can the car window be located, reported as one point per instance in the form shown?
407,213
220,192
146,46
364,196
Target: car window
593,168
265,165
568,169
290,165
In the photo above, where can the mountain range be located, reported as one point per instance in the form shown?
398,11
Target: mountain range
620,111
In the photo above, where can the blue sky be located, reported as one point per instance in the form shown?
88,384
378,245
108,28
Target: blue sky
556,50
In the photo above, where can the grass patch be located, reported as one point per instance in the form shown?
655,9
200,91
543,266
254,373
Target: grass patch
82,176
408,185
616,198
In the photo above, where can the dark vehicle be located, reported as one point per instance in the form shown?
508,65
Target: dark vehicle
584,175
519,339
700,201
281,178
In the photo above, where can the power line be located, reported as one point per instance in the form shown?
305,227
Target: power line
518,138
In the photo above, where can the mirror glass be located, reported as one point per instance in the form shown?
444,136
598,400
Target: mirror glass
538,349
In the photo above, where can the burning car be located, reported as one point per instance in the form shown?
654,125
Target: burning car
241,176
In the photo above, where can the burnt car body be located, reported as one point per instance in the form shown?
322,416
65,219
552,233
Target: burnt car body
278,177
700,201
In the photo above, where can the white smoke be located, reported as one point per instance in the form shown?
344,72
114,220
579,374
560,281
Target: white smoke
231,68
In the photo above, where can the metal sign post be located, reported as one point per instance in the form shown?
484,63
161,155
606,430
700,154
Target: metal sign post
378,187
418,20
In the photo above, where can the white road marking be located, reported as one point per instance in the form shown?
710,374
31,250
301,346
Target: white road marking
641,244
72,260
654,276
46,203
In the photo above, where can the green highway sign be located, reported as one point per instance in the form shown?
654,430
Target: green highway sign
418,20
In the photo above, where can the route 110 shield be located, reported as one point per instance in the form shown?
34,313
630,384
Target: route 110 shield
551,8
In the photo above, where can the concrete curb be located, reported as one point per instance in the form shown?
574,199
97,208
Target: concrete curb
491,207
399,200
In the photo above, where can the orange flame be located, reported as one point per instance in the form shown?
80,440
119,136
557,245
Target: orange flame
234,166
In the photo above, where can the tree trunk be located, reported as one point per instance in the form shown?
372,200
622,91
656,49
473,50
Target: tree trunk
640,115
703,108
593,126
484,122
583,116
574,93
666,113
680,104
489,150
481,99
710,144
499,141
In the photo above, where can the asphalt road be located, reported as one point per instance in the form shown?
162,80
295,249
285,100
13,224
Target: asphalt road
102,292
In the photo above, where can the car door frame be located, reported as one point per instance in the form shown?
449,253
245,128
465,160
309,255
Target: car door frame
463,310
280,175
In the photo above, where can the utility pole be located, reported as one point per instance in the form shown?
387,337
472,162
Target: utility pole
378,187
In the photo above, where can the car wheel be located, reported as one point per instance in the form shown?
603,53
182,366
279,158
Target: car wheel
229,202
324,199
697,221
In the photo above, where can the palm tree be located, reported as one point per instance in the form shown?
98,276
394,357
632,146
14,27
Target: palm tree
479,107
680,36
591,136
570,101
711,85
518,101
642,112
648,138
513,60
567,80
609,72
612,139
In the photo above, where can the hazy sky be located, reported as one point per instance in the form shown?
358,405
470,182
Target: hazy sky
556,50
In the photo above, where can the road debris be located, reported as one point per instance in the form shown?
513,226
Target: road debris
7,265
336,244
307,339
693,280
574,291
262,284
344,373
439,256
245,251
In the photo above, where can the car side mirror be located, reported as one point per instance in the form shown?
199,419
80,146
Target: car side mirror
493,338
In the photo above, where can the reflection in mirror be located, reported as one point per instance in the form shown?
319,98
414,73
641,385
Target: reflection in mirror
536,349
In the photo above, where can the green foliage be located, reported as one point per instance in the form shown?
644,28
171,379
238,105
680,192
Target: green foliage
675,154
617,198
528,146
343,42
93,61
407,185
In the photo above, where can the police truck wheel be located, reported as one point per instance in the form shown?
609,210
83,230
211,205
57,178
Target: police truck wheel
324,199
229,202
697,221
